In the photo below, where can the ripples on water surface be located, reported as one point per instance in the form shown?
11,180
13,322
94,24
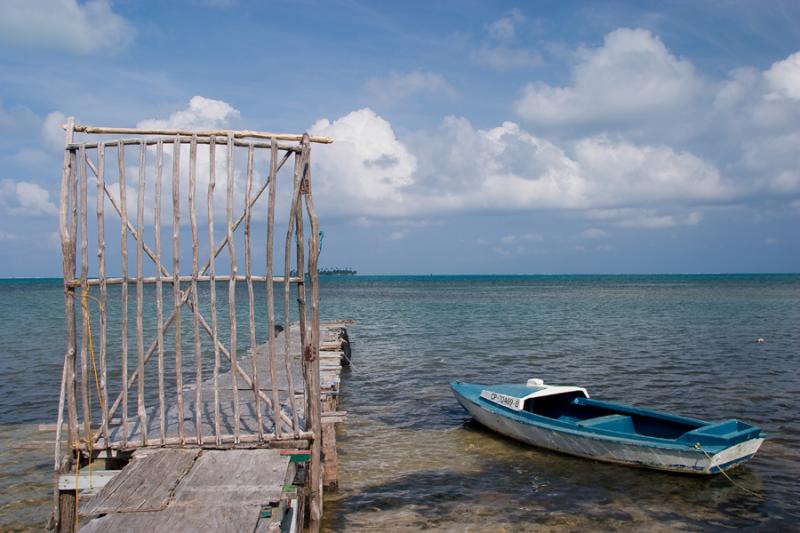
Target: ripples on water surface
411,458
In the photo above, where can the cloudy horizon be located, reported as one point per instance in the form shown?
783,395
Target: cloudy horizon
467,139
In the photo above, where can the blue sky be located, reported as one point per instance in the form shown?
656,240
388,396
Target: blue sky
470,137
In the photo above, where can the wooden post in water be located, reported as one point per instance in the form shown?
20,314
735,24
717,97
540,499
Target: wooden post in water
61,520
312,350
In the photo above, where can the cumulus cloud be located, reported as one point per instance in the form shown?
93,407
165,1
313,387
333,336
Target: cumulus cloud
202,113
51,132
631,74
22,198
621,172
63,25
784,78
401,86
368,171
367,164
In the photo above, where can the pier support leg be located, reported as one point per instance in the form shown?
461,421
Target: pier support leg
66,511
330,458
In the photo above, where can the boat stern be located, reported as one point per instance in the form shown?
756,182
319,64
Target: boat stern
733,456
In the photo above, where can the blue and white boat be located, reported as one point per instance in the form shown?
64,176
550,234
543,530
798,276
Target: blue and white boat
565,419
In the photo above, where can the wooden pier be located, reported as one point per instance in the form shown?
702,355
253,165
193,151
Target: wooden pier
240,442
224,489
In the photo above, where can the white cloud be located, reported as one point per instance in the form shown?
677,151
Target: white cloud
621,172
784,78
52,134
22,198
366,165
202,113
63,25
401,86
367,171
633,73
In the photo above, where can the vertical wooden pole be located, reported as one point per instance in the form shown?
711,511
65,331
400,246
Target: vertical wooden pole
198,354
176,282
251,307
123,206
232,291
85,398
287,287
301,274
276,403
212,286
159,289
67,383
101,272
140,406
313,353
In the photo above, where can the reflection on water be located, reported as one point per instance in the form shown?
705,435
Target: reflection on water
412,459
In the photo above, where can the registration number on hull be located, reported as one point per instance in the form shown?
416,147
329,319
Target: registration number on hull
501,399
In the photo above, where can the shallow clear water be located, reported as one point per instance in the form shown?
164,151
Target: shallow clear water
411,458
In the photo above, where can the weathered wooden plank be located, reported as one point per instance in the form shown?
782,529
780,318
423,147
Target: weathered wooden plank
86,479
242,476
240,134
145,484
227,518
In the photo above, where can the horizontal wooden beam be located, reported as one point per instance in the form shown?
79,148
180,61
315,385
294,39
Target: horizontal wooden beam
240,134
332,417
183,140
86,479
93,282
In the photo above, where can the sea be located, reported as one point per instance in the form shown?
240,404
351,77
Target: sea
411,459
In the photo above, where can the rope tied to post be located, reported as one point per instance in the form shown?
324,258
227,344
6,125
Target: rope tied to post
85,297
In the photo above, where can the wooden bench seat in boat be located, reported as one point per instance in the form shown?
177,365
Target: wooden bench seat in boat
615,422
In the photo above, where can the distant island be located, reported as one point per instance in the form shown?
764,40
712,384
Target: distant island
331,272
337,272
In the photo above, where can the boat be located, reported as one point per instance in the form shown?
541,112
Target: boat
564,419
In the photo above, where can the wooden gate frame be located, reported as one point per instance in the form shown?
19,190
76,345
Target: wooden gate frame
89,441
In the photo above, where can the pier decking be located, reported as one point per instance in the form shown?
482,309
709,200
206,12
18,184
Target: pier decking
225,489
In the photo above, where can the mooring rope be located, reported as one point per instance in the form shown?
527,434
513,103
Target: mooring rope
729,478
85,297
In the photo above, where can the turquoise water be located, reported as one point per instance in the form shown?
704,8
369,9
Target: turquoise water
411,458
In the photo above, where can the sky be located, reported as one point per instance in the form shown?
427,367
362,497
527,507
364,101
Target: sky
469,137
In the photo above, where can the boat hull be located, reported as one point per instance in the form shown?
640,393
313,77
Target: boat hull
683,459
